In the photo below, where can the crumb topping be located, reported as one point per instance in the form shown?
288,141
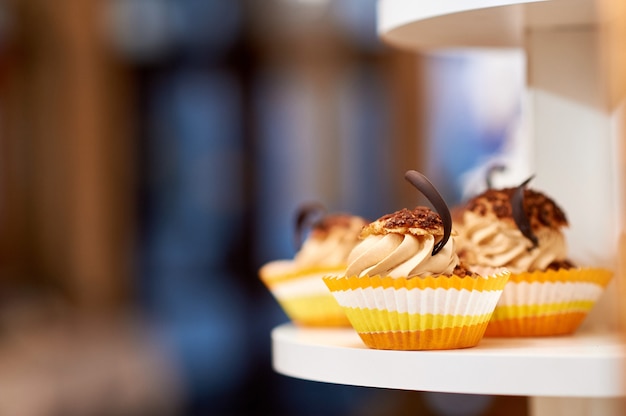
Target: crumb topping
419,221
540,209
560,264
322,227
461,270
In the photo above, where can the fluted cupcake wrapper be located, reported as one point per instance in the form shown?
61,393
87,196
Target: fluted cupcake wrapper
419,313
553,302
302,294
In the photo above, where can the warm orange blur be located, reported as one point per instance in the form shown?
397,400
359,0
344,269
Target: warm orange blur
151,152
78,81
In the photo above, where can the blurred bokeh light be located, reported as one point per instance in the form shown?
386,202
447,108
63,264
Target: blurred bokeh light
152,155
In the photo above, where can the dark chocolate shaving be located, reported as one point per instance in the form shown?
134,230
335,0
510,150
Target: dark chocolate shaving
519,215
423,185
493,169
307,216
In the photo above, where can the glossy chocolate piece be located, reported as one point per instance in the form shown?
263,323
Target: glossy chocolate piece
519,215
422,184
490,172
306,217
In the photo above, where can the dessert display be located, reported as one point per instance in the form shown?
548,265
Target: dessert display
405,287
521,229
297,283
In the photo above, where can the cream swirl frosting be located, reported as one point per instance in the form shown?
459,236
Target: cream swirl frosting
488,235
399,255
330,242
488,242
401,245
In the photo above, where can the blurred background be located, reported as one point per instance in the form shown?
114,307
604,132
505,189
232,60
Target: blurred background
152,156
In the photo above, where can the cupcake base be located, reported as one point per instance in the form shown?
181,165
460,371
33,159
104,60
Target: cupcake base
317,311
419,313
302,294
428,339
536,326
549,303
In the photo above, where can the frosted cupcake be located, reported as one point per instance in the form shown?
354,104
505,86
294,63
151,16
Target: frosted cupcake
297,284
522,230
405,288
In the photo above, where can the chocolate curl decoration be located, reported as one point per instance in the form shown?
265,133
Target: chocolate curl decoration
491,171
423,185
306,217
519,215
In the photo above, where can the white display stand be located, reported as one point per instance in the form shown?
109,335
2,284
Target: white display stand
583,365
421,25
570,115
574,150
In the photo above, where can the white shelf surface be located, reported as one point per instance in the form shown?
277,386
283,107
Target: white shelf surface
582,365
417,24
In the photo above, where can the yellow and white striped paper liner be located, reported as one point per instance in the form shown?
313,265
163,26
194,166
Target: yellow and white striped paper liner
418,313
547,303
302,294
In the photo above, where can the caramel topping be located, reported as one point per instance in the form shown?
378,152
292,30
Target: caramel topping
322,227
561,264
419,221
461,270
540,209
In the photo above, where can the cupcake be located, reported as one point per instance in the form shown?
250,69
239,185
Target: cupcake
522,230
405,288
297,283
